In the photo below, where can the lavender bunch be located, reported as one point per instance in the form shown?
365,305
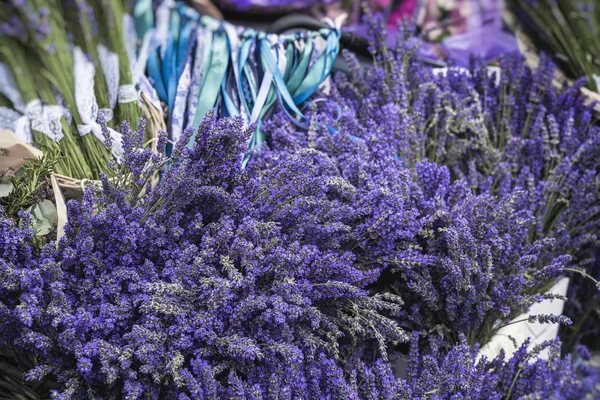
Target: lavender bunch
458,373
517,133
567,29
39,25
109,14
194,288
462,262
85,31
297,275
33,89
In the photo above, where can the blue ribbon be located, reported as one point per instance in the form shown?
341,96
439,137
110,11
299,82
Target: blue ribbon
233,82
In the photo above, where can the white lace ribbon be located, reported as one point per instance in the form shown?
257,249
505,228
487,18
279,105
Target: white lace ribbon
86,102
127,94
109,62
51,122
16,122
44,119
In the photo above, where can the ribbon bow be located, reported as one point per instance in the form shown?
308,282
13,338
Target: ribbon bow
31,116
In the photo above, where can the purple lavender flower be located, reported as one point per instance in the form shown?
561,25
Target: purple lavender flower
518,134
458,373
198,287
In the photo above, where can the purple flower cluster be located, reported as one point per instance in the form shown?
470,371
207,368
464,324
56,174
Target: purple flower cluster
432,216
499,132
197,288
460,261
263,282
460,373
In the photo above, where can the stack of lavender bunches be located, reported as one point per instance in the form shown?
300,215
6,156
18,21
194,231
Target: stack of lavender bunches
434,211
63,63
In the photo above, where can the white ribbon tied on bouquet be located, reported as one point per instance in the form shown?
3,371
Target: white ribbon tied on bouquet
86,102
45,118
25,117
109,62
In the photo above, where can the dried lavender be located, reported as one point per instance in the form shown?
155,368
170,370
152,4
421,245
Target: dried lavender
194,288
109,14
500,134
40,26
459,373
462,262
34,89
294,275
81,19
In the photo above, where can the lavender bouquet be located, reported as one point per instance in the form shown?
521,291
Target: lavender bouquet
416,216
500,131
225,281
84,77
39,25
111,17
45,124
316,263
569,31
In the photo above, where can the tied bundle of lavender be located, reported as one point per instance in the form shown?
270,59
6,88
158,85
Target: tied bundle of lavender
231,282
46,121
40,27
192,289
568,30
78,69
500,131
112,17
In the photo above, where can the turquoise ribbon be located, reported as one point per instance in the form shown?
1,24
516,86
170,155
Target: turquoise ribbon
189,18
213,73
165,71
247,82
143,17
320,70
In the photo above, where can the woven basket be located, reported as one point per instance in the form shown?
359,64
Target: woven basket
532,58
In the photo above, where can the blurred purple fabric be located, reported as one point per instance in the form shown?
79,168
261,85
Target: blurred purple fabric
484,35
475,28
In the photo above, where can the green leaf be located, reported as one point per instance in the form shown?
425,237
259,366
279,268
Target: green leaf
43,217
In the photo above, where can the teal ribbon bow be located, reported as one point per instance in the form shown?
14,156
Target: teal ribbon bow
243,72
